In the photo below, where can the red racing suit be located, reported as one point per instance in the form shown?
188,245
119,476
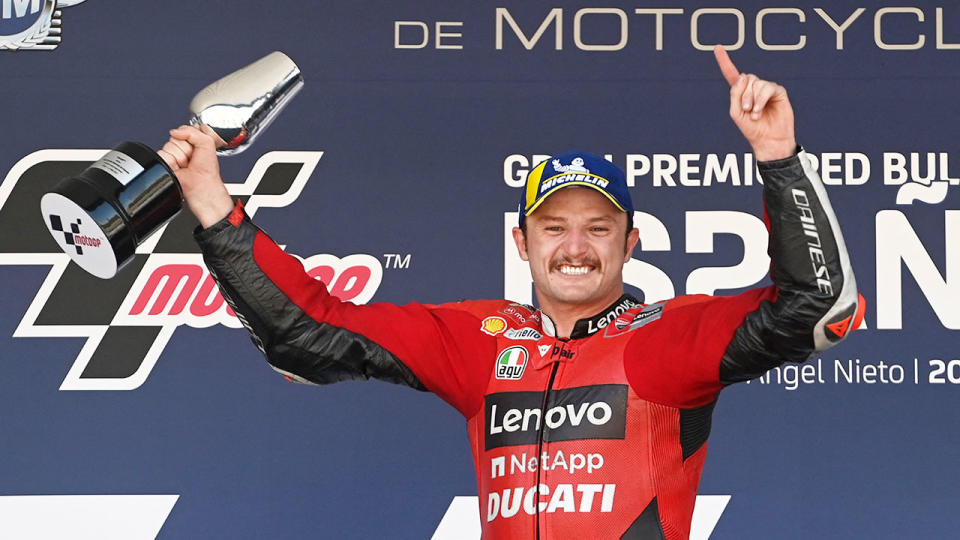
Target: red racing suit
602,435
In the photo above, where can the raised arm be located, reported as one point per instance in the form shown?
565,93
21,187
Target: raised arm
309,335
816,301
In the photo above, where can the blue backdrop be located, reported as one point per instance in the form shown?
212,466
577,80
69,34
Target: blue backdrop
415,124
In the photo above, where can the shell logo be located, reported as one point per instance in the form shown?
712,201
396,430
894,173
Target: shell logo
493,325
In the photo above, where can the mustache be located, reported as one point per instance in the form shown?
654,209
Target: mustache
588,261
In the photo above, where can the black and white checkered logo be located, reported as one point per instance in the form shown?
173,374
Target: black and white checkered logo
57,224
123,340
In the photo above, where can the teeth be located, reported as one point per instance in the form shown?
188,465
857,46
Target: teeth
574,270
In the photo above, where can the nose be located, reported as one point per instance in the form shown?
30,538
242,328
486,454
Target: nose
575,243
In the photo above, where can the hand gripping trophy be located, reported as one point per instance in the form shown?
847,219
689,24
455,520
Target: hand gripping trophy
100,216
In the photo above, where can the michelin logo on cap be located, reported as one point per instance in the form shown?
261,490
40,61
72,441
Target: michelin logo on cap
31,25
576,165
575,172
581,177
575,168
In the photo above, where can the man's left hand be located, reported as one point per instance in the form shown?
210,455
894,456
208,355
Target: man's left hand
760,109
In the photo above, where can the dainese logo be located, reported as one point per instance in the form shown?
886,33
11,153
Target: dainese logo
32,25
128,320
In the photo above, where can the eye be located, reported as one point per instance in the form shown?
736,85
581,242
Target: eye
554,228
599,229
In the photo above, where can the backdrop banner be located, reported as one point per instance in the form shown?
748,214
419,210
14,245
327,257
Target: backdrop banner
395,175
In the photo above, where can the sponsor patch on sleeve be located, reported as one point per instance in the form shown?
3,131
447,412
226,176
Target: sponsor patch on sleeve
493,325
631,320
523,333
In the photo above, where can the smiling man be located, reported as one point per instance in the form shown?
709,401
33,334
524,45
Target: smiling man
587,417
579,238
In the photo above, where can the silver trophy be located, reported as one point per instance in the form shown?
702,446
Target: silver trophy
100,216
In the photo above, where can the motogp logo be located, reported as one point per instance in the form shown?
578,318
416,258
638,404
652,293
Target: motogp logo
128,320
72,236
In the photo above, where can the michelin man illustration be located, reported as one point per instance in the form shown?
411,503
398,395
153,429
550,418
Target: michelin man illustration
575,166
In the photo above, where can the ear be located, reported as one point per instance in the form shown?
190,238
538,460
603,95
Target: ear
521,240
632,238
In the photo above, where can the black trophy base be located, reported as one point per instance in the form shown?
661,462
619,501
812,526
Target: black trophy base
100,216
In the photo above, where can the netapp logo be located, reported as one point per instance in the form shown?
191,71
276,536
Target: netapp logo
585,412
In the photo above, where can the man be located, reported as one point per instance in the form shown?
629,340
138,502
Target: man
589,417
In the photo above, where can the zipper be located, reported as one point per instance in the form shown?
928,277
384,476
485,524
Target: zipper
543,423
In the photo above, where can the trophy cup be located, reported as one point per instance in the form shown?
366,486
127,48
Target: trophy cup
100,216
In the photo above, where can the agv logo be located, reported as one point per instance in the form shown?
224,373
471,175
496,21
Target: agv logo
511,363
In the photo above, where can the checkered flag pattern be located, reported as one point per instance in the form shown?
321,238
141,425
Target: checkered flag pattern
57,224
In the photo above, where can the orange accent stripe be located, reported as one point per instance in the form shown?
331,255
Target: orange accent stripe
861,311
237,215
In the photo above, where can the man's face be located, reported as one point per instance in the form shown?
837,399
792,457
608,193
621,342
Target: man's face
576,244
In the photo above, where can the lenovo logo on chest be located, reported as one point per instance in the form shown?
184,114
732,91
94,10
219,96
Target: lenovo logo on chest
585,412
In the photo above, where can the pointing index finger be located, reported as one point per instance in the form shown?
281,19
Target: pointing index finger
729,71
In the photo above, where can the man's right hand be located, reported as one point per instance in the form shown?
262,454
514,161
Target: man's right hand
761,109
191,153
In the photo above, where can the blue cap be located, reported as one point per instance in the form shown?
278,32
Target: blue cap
575,168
